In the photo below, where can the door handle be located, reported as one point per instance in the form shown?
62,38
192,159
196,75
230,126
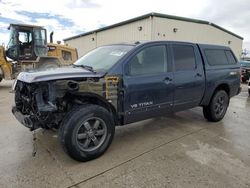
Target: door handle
198,75
167,80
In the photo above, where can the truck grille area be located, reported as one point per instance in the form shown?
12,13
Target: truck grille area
25,98
32,108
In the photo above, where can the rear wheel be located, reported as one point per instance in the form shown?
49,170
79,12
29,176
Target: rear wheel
217,107
86,132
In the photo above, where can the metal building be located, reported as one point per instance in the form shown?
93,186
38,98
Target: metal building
155,26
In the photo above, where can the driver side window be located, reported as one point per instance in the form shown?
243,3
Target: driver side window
148,61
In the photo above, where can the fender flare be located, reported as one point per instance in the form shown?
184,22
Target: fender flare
100,101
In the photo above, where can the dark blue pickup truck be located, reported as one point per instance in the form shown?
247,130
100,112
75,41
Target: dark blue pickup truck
124,83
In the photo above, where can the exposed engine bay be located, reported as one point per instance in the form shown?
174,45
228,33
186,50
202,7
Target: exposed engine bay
44,104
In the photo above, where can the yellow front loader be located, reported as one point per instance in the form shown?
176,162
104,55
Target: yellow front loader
28,50
5,66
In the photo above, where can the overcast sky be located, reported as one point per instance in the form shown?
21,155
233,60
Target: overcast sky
70,17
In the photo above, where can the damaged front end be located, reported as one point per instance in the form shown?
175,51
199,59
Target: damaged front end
44,104
35,104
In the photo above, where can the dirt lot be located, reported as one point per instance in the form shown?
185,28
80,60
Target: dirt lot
181,150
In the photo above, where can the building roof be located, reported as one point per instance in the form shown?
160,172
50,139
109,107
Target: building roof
153,14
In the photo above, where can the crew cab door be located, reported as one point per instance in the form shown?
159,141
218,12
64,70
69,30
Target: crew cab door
148,84
189,78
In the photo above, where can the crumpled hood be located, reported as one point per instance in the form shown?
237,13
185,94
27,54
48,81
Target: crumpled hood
57,73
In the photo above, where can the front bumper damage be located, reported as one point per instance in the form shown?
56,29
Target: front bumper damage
44,105
26,120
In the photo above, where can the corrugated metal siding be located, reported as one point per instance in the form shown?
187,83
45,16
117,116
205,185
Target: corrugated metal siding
83,44
157,28
193,32
126,33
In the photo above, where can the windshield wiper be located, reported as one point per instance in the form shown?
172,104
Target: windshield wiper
89,68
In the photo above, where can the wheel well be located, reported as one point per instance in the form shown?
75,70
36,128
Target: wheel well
92,99
224,87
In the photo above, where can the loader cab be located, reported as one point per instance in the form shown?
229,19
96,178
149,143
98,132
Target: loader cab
26,42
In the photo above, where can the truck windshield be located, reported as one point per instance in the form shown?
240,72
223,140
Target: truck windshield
103,58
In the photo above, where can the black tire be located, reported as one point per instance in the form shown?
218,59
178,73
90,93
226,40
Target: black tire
249,92
217,107
81,135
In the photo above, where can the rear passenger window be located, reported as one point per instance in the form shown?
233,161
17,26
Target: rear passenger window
216,57
230,57
184,57
149,60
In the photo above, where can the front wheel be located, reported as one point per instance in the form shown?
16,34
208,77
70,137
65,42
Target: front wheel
217,107
86,132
